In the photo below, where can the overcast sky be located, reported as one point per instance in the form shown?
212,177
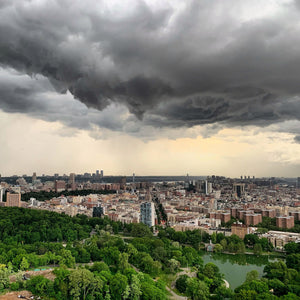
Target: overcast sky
151,87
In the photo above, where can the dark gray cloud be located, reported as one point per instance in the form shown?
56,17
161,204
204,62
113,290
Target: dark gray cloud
297,139
177,65
37,98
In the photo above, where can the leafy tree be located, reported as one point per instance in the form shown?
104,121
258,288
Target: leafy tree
223,243
61,283
150,291
218,248
266,296
140,230
4,277
292,247
214,238
135,288
66,258
240,248
245,295
278,287
197,289
181,283
30,226
192,256
220,237
258,286
251,239
159,253
211,270
269,223
149,266
118,285
276,269
14,286
222,292
24,265
176,254
39,285
105,276
176,245
265,244
173,265
180,236
99,266
257,249
110,255
293,261
252,275
290,296
131,250
123,261
84,283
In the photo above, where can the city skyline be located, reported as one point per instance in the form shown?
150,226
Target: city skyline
150,88
86,175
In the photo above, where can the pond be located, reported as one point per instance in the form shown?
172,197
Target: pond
235,267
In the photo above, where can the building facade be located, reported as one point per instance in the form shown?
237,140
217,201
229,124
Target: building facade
60,185
239,189
147,213
285,222
240,230
13,199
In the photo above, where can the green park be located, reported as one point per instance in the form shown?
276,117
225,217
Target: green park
96,258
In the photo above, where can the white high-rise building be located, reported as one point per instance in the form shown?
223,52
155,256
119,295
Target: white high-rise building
147,213
208,187
1,194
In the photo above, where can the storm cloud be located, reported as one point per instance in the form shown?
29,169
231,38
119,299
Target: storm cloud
233,63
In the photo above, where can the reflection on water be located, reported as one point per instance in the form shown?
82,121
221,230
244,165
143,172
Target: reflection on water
235,267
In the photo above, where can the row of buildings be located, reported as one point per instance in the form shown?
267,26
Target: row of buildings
208,204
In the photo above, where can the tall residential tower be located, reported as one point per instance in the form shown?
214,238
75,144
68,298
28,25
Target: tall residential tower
147,215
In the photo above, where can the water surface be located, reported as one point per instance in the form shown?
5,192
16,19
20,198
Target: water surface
235,267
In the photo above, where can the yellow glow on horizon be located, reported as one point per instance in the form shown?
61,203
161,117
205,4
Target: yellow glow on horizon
29,145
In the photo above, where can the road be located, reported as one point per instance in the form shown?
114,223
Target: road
174,295
226,283
186,271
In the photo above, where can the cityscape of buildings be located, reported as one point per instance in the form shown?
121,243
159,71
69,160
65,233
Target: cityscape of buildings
208,204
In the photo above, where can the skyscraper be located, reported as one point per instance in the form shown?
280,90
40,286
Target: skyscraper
208,187
72,178
33,177
147,213
133,182
72,183
1,194
298,183
239,189
123,183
